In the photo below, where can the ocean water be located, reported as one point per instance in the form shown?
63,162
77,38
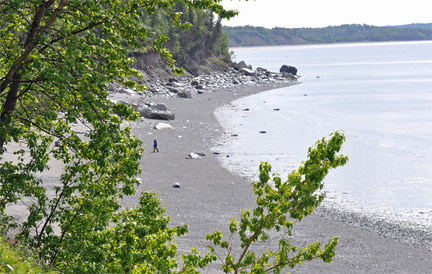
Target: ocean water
379,94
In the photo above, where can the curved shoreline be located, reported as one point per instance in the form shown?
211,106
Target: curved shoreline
412,233
210,195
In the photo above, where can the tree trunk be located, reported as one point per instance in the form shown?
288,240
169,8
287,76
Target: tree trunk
8,108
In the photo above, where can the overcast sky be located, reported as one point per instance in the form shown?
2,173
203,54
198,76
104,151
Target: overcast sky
323,13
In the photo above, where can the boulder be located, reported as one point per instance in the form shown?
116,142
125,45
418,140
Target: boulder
161,126
184,94
247,71
193,155
263,70
241,65
156,111
129,91
289,76
288,69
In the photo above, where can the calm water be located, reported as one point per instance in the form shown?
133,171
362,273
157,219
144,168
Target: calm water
380,94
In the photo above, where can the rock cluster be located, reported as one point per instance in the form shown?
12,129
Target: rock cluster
241,74
187,87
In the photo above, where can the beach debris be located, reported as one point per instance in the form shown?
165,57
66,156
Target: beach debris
176,185
193,155
161,126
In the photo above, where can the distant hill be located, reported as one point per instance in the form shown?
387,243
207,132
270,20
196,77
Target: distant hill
415,25
259,36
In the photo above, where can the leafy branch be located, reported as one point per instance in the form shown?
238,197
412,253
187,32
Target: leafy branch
279,205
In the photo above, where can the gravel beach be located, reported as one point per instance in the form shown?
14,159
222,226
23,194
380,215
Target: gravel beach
209,195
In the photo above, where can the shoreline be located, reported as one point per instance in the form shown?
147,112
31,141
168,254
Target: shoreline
413,233
210,195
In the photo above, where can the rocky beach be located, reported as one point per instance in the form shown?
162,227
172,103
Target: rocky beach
188,177
196,189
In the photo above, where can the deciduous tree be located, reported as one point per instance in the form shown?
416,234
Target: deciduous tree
279,205
57,58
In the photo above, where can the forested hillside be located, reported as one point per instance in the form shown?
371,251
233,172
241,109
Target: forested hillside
259,36
191,47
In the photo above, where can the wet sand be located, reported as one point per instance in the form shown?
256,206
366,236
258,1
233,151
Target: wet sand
209,195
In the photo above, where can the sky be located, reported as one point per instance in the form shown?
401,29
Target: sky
323,13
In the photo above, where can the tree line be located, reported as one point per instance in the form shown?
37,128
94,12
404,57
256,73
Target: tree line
259,36
199,38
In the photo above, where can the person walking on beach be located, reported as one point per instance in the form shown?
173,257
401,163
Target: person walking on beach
155,148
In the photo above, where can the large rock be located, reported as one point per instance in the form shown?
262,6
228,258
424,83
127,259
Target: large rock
184,94
289,76
288,69
162,126
129,91
241,65
193,155
157,111
247,72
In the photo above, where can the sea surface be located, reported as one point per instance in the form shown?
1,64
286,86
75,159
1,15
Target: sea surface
379,94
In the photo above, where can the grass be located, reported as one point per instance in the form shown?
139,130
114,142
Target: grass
15,260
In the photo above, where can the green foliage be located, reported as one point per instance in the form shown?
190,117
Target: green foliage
137,241
279,205
14,260
199,38
259,36
57,58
